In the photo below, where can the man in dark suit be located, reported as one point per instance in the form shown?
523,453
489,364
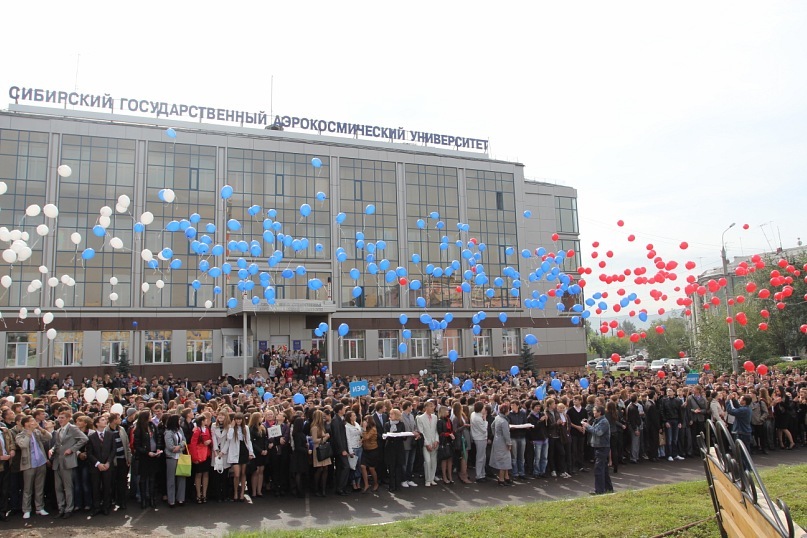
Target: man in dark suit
68,440
381,419
634,420
7,452
101,455
340,448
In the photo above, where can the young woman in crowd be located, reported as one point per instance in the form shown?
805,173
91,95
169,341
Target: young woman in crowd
239,455
260,447
320,437
201,450
221,465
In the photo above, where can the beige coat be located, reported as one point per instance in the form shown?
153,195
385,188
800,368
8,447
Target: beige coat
24,444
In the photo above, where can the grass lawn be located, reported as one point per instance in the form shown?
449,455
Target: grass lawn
632,513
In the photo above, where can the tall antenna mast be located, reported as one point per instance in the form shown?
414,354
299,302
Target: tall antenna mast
271,97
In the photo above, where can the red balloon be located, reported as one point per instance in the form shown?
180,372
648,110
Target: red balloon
661,374
684,245
635,337
764,293
763,326
631,237
682,354
402,281
749,366
555,237
707,366
689,265
604,329
620,333
659,329
615,357
474,240
620,222
803,328
459,289
738,344
762,369
745,226
751,287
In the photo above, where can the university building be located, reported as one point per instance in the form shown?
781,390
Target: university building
167,327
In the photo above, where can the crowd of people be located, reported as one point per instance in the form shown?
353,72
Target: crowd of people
299,433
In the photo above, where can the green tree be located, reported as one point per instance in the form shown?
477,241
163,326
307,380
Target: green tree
527,358
628,326
674,338
605,346
437,365
124,366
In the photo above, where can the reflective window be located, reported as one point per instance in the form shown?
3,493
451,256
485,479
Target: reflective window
102,170
199,346
364,183
482,343
353,345
492,217
283,182
432,189
566,214
23,168
114,346
158,346
233,348
67,348
420,344
20,350
452,340
387,344
511,341
320,343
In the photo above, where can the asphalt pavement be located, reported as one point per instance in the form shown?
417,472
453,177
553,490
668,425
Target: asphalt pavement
271,513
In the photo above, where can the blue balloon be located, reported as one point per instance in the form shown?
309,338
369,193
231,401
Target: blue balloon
402,348
226,192
152,264
214,272
476,329
190,232
317,333
643,316
357,291
414,285
300,270
299,399
403,319
556,384
527,214
540,393
421,223
255,300
167,253
139,227
434,215
305,210
170,133
514,370
287,273
175,264
449,317
530,339
340,218
490,293
88,254
456,381
233,225
369,210
421,302
453,355
321,196
407,334
216,290
318,247
343,329
584,383
316,162
467,386
172,226
354,274
232,302
98,230
425,319
503,317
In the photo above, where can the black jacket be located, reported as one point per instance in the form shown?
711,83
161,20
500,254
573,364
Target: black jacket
672,409
338,435
634,419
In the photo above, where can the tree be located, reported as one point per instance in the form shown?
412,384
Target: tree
628,326
437,365
124,366
668,343
605,346
527,358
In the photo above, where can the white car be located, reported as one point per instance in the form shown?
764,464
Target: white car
640,366
657,365
789,359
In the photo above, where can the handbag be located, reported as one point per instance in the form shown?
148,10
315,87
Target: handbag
445,452
184,464
324,451
218,464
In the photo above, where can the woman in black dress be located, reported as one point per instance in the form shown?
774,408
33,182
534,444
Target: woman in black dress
260,447
783,418
299,456
145,443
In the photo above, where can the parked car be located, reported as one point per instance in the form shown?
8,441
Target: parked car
639,366
675,363
657,365
789,359
623,366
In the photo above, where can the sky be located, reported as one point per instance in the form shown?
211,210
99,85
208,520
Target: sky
677,118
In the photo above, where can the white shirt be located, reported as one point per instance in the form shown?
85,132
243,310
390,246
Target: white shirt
479,427
353,432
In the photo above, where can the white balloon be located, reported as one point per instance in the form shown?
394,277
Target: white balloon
161,257
60,393
9,256
10,399
120,208
53,282
43,269
25,253
50,211
33,210
37,311
15,235
36,283
124,200
102,395
71,282
169,195
89,395
5,280
116,408
116,242
104,222
64,170
3,187
17,246
145,287
5,235
105,211
208,304
51,334
31,288
65,279
75,238
25,236
47,318
42,230
113,280
160,284
113,296
147,218
59,303
23,313
147,255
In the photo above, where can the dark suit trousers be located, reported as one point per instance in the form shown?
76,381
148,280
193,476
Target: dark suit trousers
578,448
5,482
101,488
342,472
120,481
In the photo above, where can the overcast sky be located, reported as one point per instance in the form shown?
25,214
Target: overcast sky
679,119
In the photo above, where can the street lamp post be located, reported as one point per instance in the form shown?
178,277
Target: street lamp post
732,336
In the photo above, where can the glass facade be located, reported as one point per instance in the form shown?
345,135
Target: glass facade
511,342
452,340
114,345
420,344
482,343
21,350
199,346
363,183
190,171
566,214
492,216
67,348
23,168
158,346
353,345
387,344
432,189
